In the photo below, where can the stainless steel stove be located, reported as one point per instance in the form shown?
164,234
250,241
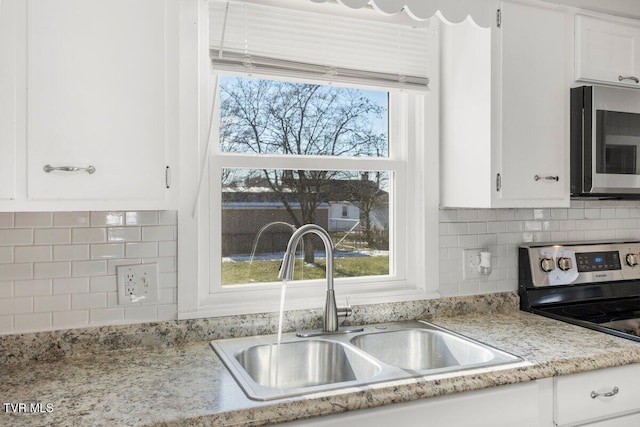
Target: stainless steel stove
591,284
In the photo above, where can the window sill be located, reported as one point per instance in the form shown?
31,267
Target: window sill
268,301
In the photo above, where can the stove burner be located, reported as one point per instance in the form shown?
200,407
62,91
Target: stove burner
582,312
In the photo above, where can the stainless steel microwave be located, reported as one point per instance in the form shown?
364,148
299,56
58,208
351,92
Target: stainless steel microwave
605,142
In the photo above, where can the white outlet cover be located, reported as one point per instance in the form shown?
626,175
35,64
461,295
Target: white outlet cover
137,283
470,264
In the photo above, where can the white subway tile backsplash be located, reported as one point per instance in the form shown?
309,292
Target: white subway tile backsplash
16,305
104,316
6,219
13,237
166,249
17,271
54,236
113,263
52,269
32,322
33,219
88,268
142,218
165,264
51,303
57,269
29,288
6,289
592,213
86,301
33,253
6,254
70,252
166,296
159,233
104,284
102,219
124,234
71,219
167,218
6,324
107,250
89,235
142,249
168,280
71,285
141,313
507,228
70,319
167,312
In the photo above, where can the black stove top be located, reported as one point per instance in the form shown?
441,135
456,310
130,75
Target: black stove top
618,315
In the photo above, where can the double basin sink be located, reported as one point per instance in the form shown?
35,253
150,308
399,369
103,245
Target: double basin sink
381,352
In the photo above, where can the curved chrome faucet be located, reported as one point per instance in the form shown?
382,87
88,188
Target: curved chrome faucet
331,311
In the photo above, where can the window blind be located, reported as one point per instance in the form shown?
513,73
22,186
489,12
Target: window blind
276,40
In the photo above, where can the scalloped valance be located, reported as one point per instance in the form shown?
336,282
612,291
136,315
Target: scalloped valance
454,11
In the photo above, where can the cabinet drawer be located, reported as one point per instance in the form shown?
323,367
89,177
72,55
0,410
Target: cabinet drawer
596,395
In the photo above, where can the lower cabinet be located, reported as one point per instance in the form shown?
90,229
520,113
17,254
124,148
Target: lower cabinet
506,406
600,398
596,396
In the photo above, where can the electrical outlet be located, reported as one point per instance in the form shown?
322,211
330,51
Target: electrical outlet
137,283
470,264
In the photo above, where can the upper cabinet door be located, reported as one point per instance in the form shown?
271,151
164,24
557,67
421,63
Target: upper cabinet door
607,52
534,106
97,89
8,98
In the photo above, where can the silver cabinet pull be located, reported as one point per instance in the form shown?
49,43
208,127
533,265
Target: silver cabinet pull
633,78
48,168
546,178
613,392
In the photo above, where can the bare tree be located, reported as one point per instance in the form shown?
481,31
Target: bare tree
271,117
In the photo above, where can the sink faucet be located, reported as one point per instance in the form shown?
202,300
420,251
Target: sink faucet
331,311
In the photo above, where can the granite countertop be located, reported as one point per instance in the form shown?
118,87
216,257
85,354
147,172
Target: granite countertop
188,384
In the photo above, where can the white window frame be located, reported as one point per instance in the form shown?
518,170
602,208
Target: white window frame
413,118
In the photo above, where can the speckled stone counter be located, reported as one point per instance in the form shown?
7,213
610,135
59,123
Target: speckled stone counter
188,385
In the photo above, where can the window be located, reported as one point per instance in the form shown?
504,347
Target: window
289,146
308,126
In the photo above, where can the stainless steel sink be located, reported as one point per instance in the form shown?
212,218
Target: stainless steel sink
303,364
381,352
424,349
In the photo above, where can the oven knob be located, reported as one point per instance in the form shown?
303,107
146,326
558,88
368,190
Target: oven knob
564,263
547,265
632,260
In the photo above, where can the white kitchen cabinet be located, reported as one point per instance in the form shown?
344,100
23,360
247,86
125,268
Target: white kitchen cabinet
102,93
607,51
505,406
8,108
616,394
505,105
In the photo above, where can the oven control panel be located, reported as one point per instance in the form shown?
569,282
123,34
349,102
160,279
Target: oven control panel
580,262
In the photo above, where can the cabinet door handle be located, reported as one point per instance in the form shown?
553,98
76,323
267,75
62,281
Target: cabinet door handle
633,78
48,168
611,393
546,178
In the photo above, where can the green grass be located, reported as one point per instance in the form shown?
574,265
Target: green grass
243,272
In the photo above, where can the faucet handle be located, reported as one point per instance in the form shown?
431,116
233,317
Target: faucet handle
345,311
